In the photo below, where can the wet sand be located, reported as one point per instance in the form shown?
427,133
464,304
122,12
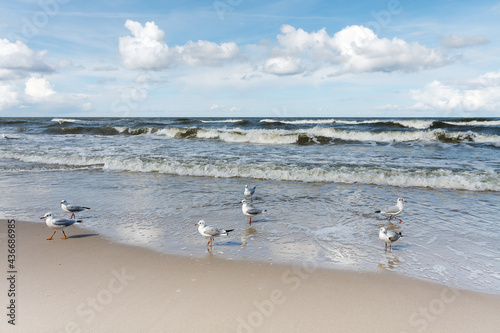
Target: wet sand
88,284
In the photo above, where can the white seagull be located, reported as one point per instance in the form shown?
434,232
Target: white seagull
249,191
394,210
249,210
58,223
72,209
389,237
211,232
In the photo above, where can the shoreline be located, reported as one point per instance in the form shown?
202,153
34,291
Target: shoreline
87,283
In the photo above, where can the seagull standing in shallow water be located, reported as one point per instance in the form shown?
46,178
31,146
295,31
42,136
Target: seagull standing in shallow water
249,210
394,210
58,223
211,232
249,191
388,237
72,209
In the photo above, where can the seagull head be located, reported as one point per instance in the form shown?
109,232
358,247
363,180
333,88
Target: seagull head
64,202
46,215
201,222
382,229
401,200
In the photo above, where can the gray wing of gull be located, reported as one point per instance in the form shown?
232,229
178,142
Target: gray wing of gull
75,208
254,211
212,231
391,210
63,222
392,235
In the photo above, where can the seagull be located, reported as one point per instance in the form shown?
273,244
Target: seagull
211,232
249,210
72,209
388,237
58,223
394,210
249,191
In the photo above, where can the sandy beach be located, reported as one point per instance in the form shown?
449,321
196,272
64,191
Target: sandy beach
88,284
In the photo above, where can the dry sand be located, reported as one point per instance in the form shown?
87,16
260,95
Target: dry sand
89,284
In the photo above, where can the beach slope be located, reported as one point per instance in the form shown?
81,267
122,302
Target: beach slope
89,284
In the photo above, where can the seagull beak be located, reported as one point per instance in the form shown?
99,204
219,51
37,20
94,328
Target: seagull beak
41,218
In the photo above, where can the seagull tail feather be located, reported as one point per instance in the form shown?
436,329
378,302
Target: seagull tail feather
377,211
79,221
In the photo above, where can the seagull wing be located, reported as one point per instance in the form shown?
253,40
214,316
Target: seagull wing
63,222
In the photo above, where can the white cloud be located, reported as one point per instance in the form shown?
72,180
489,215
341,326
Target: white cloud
455,41
38,88
17,60
217,107
8,96
356,49
147,49
478,94
283,66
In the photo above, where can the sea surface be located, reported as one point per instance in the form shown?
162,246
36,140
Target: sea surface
320,180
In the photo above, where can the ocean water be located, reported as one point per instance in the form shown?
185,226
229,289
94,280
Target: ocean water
149,180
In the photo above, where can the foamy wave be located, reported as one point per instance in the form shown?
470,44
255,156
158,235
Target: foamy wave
223,121
133,131
324,134
416,124
63,120
301,121
436,179
236,135
474,123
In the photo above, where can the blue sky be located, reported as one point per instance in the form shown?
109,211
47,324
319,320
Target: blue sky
235,58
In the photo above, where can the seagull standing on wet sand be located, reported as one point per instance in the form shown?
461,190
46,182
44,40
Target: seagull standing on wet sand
249,210
388,237
211,232
58,223
394,210
72,209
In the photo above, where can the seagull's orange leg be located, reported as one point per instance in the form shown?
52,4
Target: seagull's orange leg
64,234
52,235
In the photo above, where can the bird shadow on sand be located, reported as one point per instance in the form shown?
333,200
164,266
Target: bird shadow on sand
83,235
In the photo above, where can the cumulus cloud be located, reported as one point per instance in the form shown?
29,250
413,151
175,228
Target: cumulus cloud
283,66
147,49
455,41
481,93
17,60
354,49
38,88
8,96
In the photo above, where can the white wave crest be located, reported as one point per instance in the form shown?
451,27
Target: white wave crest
300,121
474,123
223,121
64,120
436,179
